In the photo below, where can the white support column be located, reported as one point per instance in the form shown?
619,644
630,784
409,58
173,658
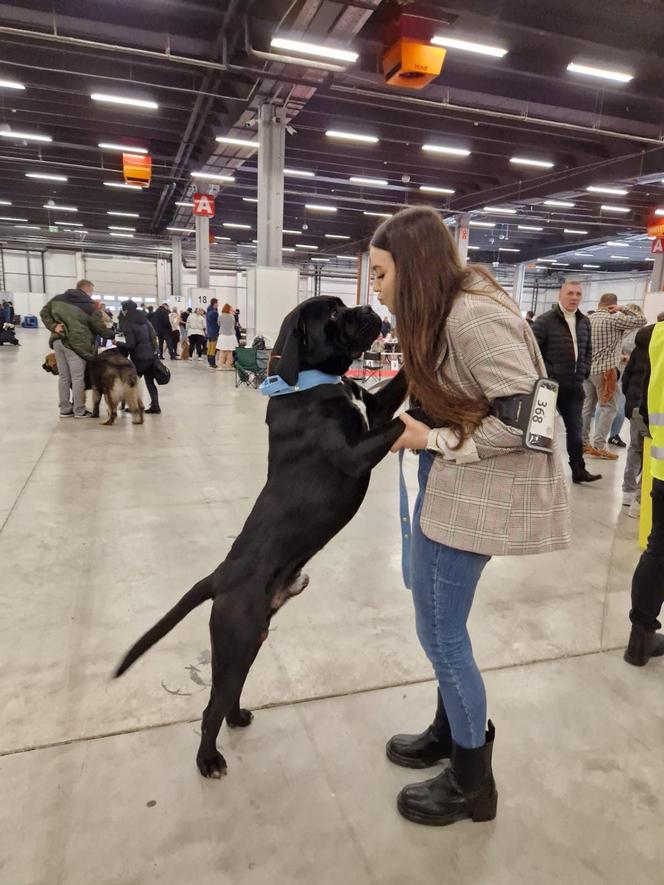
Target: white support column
271,156
202,252
462,236
657,278
176,266
518,287
364,279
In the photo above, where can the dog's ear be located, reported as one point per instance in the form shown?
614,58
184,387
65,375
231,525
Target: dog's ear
288,366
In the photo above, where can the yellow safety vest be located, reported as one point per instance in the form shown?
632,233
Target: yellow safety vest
656,401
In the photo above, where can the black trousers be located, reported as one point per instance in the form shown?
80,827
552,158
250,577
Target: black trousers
570,406
196,342
168,340
145,371
648,580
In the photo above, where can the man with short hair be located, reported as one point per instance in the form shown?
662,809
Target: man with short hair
563,334
75,322
161,322
607,326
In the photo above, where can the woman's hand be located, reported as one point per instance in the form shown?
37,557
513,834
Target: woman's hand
414,436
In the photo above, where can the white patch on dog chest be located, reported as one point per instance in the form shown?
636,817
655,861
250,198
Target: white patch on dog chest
359,404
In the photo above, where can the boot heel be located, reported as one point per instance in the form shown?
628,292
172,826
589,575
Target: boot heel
485,808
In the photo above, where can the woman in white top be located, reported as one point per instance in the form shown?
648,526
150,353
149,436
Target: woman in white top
196,332
227,342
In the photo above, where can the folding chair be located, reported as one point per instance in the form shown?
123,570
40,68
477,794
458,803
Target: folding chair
372,366
250,367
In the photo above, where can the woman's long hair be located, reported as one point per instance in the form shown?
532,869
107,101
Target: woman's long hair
429,277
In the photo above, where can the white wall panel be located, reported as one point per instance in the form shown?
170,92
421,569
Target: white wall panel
60,271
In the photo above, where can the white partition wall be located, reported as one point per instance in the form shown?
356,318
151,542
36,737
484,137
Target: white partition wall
272,292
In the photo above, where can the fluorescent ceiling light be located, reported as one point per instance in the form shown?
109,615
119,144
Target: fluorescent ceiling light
592,265
614,191
620,257
546,259
182,230
55,208
347,257
468,46
378,214
574,230
617,243
351,136
500,209
11,84
122,184
507,249
529,227
604,73
296,232
610,208
648,259
127,236
314,49
70,223
237,142
526,161
432,189
46,176
119,227
301,173
6,203
9,218
125,214
441,149
225,239
335,237
121,100
29,226
305,246
213,176
658,212
318,207
236,225
25,136
287,249
249,199
375,182
320,259
481,223
182,203
564,204
473,248
560,263
125,148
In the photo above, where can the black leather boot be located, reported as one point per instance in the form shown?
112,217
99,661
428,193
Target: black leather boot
643,644
466,789
423,750
580,474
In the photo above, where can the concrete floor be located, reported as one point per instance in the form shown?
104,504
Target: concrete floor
102,529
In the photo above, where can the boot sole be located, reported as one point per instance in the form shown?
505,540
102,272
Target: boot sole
409,761
485,810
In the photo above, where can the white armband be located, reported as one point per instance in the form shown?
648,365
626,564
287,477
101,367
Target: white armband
444,441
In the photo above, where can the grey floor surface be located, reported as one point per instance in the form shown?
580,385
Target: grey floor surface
103,528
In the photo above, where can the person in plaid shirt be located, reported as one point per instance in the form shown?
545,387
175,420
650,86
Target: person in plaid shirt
607,326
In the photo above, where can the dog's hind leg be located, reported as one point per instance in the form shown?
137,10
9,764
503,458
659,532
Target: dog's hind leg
135,405
96,399
110,405
235,638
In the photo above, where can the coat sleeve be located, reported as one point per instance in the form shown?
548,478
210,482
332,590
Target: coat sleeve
493,347
630,317
47,317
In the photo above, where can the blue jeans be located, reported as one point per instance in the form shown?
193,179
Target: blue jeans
444,581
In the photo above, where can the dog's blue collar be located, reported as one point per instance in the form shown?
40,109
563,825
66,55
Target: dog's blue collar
274,385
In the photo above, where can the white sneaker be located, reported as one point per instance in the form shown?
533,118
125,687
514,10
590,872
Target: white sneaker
200,358
628,498
635,510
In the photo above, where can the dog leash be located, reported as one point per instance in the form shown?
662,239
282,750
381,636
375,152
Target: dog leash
404,521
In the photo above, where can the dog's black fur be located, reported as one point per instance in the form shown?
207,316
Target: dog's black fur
322,451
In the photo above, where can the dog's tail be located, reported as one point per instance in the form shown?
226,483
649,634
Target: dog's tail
191,599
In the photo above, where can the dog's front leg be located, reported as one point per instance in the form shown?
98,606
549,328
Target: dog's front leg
386,398
357,458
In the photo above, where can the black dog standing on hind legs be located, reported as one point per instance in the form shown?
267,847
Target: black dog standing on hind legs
324,442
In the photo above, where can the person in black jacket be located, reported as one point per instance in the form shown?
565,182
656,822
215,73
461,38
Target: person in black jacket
140,345
563,334
161,321
633,383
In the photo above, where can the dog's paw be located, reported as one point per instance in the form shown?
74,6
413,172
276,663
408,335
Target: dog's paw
244,718
212,766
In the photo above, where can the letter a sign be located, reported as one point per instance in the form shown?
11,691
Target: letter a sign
657,246
204,205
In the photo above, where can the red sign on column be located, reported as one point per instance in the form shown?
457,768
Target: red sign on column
204,205
657,246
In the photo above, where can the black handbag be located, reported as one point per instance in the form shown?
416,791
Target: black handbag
160,372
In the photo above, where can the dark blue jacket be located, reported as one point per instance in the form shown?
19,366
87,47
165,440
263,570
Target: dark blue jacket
212,322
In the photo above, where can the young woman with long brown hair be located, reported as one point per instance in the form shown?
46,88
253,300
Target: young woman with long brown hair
481,493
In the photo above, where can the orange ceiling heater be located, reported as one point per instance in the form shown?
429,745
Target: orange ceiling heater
412,62
137,169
